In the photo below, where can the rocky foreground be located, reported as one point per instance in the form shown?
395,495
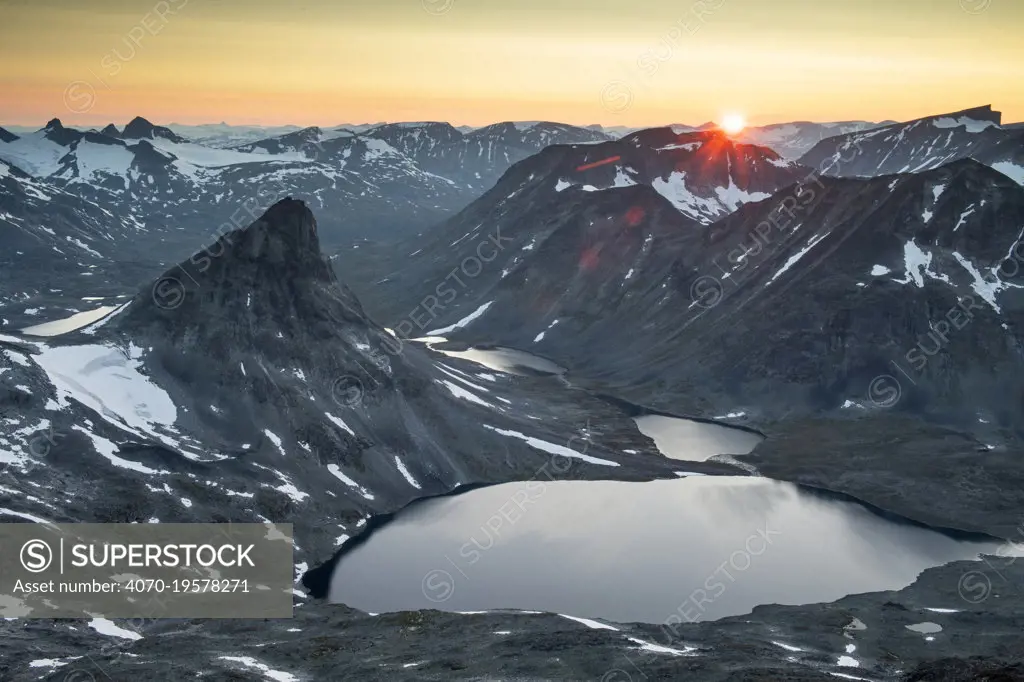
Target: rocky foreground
967,616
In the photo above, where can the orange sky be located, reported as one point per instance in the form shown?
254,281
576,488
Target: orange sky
479,61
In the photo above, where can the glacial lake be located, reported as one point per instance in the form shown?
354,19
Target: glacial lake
695,441
692,549
71,323
676,438
507,360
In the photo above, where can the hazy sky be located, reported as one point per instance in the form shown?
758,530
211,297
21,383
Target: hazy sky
628,62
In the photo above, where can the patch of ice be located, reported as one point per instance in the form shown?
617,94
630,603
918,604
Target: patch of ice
551,448
460,392
970,124
675,190
337,472
108,628
264,669
963,217
787,647
109,450
24,515
797,256
339,422
275,439
94,160
34,154
622,179
108,381
286,487
593,624
51,663
376,149
1011,170
405,472
733,197
880,270
211,157
987,290
688,146
463,322
848,662
916,262
659,649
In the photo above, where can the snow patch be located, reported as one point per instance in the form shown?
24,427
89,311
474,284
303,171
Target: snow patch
405,472
108,628
337,472
1011,170
262,668
463,322
337,421
970,124
551,447
593,624
797,256
107,380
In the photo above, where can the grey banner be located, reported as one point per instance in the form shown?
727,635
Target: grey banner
147,570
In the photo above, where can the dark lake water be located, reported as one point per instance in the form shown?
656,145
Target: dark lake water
695,441
696,548
507,360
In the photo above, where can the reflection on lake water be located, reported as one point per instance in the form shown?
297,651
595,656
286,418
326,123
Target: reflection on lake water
695,441
690,549
70,324
507,360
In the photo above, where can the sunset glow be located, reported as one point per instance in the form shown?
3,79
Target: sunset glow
733,123
322,62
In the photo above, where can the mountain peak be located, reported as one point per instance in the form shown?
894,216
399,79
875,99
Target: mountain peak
272,269
140,128
53,124
285,233
982,113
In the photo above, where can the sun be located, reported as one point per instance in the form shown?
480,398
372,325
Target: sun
733,123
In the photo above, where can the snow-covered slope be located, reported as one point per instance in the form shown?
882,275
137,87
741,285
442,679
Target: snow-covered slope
924,144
